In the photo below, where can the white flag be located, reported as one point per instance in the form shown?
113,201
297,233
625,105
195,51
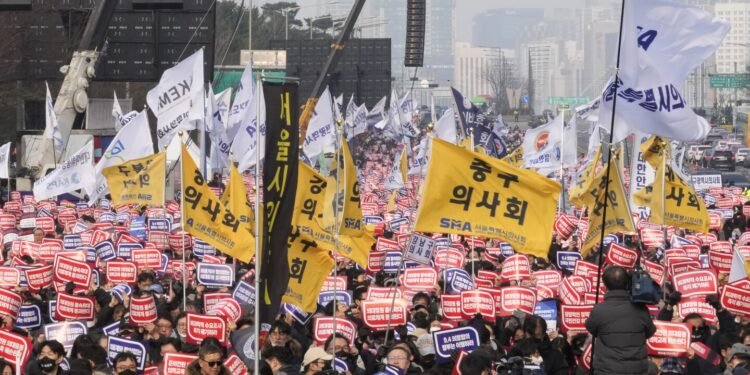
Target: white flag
216,131
120,119
133,141
641,172
321,133
243,147
541,145
338,107
75,173
406,111
377,116
358,122
243,110
4,160
395,179
52,129
177,101
222,104
662,42
418,164
445,128
737,271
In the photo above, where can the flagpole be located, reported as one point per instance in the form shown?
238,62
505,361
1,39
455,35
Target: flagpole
561,204
182,228
336,223
259,237
663,176
473,279
609,170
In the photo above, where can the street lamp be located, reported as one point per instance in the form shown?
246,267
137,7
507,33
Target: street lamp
285,13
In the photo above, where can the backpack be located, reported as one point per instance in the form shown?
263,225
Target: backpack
643,289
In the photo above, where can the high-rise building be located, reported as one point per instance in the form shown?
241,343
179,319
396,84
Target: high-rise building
470,67
733,54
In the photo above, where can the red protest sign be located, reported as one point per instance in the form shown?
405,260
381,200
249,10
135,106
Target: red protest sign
376,292
544,292
451,306
15,348
323,328
176,241
177,363
121,272
585,269
655,270
146,258
621,256
334,283
10,277
695,283
548,278
49,248
573,318
692,251
707,238
211,299
477,302
719,260
569,293
449,258
517,298
697,306
670,339
652,237
228,308
7,221
142,310
375,261
39,277
420,278
736,300
10,303
516,267
234,364
376,313
682,266
74,307
175,268
714,220
565,225
723,246
385,244
71,270
203,326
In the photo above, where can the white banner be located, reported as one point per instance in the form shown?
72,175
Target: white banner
321,133
74,173
133,141
706,181
216,131
641,173
243,147
120,119
4,160
177,100
52,128
243,110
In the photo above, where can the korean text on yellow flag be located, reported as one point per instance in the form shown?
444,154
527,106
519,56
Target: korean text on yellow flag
351,222
309,203
584,180
138,181
309,266
235,199
515,158
618,218
207,219
470,193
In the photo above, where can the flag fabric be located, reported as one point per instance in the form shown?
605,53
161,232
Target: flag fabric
138,181
358,122
338,108
242,111
445,128
309,266
395,178
216,131
740,268
75,173
310,204
177,101
133,141
235,199
4,160
618,217
418,164
321,133
469,193
473,121
243,149
406,111
52,128
377,117
662,43
543,145
641,172
207,219
515,158
584,178
279,190
121,119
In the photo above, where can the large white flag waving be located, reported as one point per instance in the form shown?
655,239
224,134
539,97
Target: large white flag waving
358,122
662,42
321,134
445,128
542,145
121,119
216,131
75,173
177,101
52,129
133,141
4,160
243,147
242,111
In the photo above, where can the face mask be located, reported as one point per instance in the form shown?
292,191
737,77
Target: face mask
349,358
127,372
46,364
537,360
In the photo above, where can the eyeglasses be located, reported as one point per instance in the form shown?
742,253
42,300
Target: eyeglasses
212,363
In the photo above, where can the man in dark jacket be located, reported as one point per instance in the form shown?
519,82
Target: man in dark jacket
620,328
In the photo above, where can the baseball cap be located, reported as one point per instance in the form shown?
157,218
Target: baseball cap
739,349
315,353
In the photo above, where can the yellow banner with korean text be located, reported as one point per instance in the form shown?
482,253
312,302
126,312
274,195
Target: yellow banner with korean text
138,181
207,219
309,265
584,179
470,193
235,199
515,158
618,216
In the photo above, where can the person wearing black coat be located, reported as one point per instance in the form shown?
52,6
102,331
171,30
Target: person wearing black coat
620,328
535,328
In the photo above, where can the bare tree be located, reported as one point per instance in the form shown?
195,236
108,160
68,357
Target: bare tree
500,77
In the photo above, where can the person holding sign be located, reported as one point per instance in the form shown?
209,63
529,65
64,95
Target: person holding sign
620,328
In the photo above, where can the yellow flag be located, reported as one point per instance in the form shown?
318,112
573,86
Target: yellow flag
515,158
584,179
351,222
356,248
138,181
309,203
404,165
470,193
618,217
309,266
654,150
207,219
235,199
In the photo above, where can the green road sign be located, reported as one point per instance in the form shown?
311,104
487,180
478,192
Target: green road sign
729,81
567,100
